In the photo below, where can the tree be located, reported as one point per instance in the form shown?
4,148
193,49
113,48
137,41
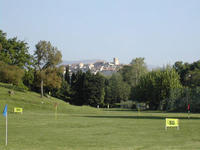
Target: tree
64,92
14,51
189,73
77,88
117,90
94,87
46,57
67,74
134,71
139,68
87,89
4,55
192,78
52,78
28,78
182,69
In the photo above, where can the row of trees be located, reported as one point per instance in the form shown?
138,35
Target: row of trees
155,86
26,71
167,88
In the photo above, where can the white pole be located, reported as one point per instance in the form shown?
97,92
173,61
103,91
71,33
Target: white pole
6,129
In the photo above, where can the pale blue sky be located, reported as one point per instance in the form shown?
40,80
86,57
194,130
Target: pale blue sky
162,31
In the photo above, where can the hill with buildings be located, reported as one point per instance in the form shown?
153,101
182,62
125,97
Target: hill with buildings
95,66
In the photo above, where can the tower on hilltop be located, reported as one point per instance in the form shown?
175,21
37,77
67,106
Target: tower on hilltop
116,61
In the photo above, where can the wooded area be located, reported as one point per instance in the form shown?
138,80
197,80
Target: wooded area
170,88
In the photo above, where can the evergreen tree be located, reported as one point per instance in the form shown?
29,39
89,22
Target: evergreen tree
67,74
87,89
117,90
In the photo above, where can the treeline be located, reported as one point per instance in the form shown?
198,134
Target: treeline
170,88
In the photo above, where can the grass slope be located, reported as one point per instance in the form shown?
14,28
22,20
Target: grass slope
85,128
31,102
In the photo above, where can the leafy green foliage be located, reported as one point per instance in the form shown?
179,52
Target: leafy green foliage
180,98
156,86
88,89
64,92
189,73
117,90
47,57
51,79
11,74
14,52
131,73
28,78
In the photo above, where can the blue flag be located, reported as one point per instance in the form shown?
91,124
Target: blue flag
5,111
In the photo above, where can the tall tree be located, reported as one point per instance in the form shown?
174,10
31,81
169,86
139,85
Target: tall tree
134,71
67,74
182,69
117,90
87,89
46,56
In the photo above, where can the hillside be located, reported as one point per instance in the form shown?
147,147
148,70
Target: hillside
31,101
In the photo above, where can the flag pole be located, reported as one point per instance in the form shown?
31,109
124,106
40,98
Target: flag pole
6,129
56,112
56,109
5,113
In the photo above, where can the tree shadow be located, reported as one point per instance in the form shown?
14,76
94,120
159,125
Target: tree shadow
140,117
12,87
118,109
8,86
134,110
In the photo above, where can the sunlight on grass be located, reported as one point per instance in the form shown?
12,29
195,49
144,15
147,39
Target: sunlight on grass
86,128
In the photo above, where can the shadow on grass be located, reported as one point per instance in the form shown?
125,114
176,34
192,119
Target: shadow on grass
12,87
8,86
139,117
134,110
119,110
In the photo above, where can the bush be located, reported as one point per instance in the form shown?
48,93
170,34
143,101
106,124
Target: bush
10,74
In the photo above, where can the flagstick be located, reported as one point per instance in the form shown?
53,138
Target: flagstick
6,129
188,114
56,113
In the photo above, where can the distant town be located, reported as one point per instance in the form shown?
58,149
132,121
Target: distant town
106,68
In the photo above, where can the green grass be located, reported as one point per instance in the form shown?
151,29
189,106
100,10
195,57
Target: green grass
86,128
31,102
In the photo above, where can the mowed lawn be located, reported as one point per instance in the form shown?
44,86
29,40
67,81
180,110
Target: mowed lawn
87,128
101,130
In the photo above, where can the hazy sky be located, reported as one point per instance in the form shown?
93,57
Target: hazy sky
162,31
